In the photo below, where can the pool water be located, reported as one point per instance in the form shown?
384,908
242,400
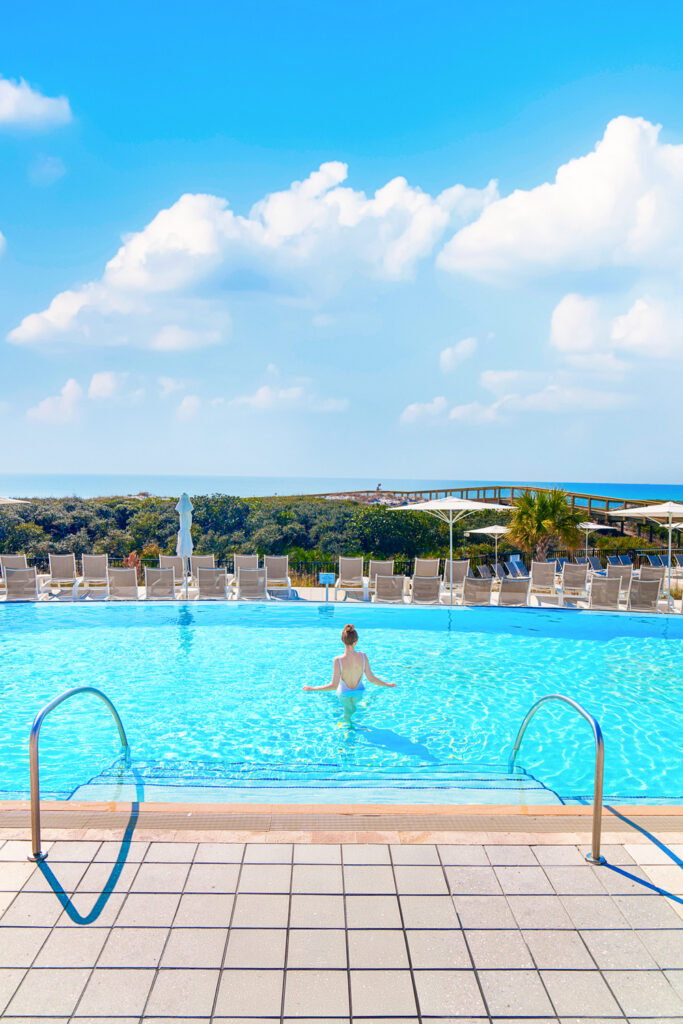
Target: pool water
213,703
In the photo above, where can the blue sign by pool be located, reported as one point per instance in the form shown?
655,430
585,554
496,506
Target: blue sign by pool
326,579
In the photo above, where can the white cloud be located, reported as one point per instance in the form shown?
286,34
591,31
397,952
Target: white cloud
309,238
23,106
576,324
188,408
474,413
620,205
425,410
61,408
169,385
105,384
299,395
45,170
650,328
455,354
502,382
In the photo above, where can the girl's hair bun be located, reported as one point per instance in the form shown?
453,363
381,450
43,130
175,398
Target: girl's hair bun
349,634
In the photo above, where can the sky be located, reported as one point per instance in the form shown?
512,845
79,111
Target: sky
361,239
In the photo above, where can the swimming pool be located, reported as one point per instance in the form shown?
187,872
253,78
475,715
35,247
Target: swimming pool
211,697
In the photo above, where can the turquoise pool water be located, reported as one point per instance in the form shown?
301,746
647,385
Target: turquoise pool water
212,700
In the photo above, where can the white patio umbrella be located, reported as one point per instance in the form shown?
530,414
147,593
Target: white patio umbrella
450,510
184,546
591,528
490,531
669,515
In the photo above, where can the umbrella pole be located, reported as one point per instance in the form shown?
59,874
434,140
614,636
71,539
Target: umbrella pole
668,598
450,523
496,542
586,546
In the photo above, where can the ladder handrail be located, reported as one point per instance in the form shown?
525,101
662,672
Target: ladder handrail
594,857
37,853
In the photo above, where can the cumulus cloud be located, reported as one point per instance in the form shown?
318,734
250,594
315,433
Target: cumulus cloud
310,238
61,408
169,385
620,205
297,395
23,106
417,411
453,355
650,328
105,384
188,408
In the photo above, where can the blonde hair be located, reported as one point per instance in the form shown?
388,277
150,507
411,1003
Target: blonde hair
349,635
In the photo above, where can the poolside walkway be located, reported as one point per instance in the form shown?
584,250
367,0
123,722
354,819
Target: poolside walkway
340,931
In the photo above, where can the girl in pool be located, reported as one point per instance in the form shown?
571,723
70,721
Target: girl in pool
347,674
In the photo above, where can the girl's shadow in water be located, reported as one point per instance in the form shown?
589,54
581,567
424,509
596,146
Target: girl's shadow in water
387,739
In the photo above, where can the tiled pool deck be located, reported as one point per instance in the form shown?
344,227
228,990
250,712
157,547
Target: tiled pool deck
450,930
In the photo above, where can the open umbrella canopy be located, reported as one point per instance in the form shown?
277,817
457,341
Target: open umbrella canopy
494,531
591,528
668,514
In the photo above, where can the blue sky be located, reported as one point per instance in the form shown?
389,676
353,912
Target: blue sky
372,239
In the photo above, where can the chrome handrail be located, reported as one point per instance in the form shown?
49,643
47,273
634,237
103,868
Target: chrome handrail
38,854
594,856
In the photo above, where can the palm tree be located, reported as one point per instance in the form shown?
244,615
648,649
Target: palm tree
541,519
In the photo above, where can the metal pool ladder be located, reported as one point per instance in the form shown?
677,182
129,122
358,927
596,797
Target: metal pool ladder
594,856
33,756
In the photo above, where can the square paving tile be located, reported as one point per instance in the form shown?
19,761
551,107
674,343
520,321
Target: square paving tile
20,849
511,855
646,911
318,947
317,911
132,947
448,993
170,852
9,982
87,908
580,994
365,853
68,947
442,948
160,878
559,855
129,853
204,910
317,878
46,992
499,948
195,947
619,950
102,876
594,911
428,912
665,946
19,946
124,990
182,993
415,853
155,910
482,912
510,993
265,878
377,949
316,993
375,993
524,881
15,874
35,909
666,876
577,881
627,881
268,853
317,853
373,879
219,853
473,856
256,947
374,911
616,854
245,993
212,878
420,880
258,911
69,849
645,993
559,950
473,881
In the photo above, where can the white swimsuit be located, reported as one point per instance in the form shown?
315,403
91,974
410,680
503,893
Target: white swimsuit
345,691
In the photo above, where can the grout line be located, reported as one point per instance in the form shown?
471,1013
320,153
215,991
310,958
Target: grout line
289,919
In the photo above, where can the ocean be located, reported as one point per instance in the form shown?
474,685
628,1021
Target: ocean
91,486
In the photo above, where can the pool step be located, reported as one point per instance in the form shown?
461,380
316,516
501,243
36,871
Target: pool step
325,783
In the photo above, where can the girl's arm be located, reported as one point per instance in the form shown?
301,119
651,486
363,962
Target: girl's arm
371,677
336,676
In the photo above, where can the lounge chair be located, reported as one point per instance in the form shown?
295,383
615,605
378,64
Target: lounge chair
613,560
122,584
425,590
484,572
624,573
212,584
625,560
63,573
277,568
654,560
500,571
595,563
11,562
522,571
94,572
605,593
653,572
389,589
644,595
514,593
351,577
581,560
252,585
476,591
561,562
543,578
21,584
679,560
426,567
160,584
178,564
511,569
574,581
665,561
458,571
379,568
200,562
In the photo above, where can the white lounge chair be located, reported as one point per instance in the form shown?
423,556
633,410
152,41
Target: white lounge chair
389,589
379,568
63,573
653,572
425,590
277,570
21,584
625,575
426,567
160,584
200,562
10,562
252,585
456,571
574,581
179,566
543,579
123,584
605,593
212,584
476,591
241,562
644,595
514,593
94,572
351,577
